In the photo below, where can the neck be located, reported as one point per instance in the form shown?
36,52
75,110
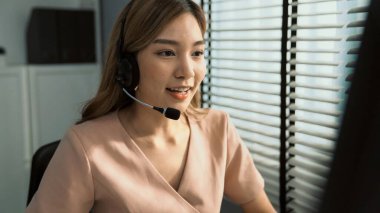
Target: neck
146,122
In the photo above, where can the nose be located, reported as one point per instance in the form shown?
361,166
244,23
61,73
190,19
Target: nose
185,68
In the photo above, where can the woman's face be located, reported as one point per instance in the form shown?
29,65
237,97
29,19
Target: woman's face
172,66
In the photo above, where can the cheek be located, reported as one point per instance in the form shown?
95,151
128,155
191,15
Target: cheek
153,73
200,73
149,69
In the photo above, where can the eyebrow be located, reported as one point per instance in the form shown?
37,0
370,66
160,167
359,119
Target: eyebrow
176,43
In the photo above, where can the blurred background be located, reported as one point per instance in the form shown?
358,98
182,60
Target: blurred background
50,66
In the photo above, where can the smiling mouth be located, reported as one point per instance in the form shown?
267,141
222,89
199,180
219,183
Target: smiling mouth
179,89
179,93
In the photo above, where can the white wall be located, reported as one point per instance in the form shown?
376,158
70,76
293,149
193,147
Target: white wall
37,105
19,96
14,15
110,9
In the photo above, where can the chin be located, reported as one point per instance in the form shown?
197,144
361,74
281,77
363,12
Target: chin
181,106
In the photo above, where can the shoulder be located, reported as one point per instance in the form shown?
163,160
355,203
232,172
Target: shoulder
95,132
98,124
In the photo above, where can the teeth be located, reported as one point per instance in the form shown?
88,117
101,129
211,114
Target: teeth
182,89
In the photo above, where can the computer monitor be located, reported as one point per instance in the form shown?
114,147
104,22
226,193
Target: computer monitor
354,182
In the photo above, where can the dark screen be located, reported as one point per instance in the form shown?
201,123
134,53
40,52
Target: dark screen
354,182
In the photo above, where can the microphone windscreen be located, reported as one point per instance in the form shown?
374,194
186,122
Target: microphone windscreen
172,113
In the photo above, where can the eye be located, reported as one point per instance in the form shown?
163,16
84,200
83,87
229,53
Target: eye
166,53
198,53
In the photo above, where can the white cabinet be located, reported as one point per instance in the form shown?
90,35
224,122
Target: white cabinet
57,94
14,136
37,105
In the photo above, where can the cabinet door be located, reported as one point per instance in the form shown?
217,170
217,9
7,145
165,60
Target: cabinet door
58,94
14,139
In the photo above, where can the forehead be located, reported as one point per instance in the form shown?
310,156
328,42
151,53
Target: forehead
183,27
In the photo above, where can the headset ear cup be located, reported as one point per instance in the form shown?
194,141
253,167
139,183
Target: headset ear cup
125,72
129,73
134,71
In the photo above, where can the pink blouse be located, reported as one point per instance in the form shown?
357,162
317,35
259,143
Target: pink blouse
98,166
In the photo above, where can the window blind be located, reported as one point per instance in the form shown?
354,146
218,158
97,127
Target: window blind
324,36
243,56
244,76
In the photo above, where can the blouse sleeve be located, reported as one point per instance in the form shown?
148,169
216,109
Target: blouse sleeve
242,180
67,184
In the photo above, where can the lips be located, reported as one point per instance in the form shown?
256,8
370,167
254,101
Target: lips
179,93
179,89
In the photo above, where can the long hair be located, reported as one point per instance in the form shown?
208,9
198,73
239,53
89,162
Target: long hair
144,20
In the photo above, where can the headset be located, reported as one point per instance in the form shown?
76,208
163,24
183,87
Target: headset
128,70
128,76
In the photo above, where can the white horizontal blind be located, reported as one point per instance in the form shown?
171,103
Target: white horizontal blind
325,41
244,55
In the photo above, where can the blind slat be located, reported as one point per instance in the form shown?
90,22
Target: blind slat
317,75
293,84
360,23
314,168
244,69
243,59
295,39
253,100
263,143
243,39
241,89
253,130
319,26
325,100
306,187
274,82
309,2
318,111
243,49
298,206
328,136
316,157
247,8
307,176
356,37
294,118
265,162
295,62
255,120
295,50
358,10
243,109
351,64
266,154
324,146
311,14
353,51
313,202
254,18
245,29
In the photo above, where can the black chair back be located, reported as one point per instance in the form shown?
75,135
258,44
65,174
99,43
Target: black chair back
40,161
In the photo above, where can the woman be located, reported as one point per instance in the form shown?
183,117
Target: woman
125,157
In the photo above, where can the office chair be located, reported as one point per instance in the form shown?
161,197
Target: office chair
40,161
